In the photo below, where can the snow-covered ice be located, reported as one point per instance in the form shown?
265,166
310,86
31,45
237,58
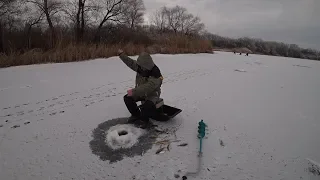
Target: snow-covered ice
265,111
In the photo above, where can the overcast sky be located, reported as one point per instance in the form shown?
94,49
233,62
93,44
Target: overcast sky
289,21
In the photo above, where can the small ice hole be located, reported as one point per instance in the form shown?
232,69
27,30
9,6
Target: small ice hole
122,133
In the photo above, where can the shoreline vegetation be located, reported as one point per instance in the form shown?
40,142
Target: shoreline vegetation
55,31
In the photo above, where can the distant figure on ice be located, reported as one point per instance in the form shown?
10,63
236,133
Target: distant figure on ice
147,89
240,54
247,54
234,52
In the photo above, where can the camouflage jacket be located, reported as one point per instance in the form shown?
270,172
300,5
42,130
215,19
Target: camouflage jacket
148,88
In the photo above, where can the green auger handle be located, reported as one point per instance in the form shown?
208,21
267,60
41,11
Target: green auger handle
201,129
201,133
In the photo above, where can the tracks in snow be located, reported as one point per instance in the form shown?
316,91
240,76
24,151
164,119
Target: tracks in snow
23,114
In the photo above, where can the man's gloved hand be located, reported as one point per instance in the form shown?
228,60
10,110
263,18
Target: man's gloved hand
120,51
129,92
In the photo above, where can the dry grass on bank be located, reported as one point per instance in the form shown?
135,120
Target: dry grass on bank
80,52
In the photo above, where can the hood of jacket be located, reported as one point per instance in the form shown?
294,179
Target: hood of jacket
145,60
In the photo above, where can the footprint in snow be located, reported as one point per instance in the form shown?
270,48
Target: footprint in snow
221,143
302,66
20,113
240,70
26,123
27,86
52,114
74,93
15,126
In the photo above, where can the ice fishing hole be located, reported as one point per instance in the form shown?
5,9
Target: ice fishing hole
109,144
123,136
122,133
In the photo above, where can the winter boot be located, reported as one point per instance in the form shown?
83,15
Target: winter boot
133,119
145,124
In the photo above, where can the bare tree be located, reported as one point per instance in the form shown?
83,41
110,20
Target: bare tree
32,18
191,24
78,12
80,20
175,16
107,11
50,8
133,12
7,7
159,19
179,20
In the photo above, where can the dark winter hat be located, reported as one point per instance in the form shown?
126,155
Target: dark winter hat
144,60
